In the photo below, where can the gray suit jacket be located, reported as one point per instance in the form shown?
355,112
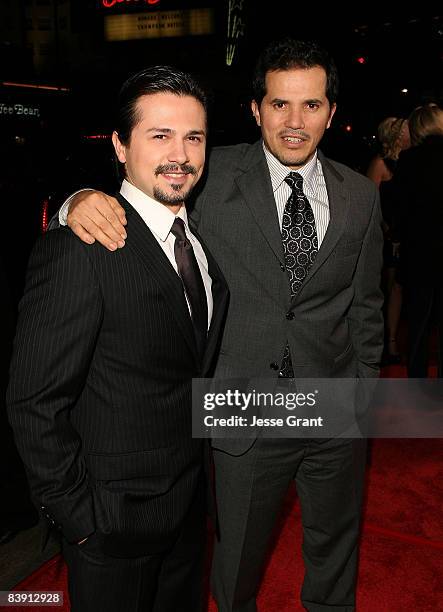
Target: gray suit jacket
336,329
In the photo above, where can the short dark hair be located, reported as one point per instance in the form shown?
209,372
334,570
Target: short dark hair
288,53
152,80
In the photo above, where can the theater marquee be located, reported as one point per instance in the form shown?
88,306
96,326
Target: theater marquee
161,24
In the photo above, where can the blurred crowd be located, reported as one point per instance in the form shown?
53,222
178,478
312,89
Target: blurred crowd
407,171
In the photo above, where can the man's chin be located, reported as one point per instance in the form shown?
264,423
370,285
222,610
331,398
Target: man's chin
173,198
295,162
296,159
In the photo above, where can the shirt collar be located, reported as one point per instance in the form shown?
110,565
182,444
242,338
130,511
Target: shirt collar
279,171
156,215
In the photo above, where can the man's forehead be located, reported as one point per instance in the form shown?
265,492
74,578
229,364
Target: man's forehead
160,99
296,76
170,109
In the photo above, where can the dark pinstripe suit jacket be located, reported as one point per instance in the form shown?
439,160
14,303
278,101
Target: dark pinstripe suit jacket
100,388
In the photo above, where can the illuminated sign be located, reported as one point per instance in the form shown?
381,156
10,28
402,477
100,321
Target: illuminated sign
236,27
111,3
19,110
44,215
192,22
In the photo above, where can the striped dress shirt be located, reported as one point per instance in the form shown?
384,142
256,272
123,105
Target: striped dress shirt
314,187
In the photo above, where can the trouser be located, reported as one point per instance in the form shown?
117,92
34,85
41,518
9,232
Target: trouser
167,582
425,306
250,488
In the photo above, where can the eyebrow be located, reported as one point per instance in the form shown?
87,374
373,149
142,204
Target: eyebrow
309,101
278,101
158,129
171,131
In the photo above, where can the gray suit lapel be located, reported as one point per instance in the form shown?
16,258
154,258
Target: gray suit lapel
255,186
339,203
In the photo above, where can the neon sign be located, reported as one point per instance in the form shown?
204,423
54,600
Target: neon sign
19,109
111,3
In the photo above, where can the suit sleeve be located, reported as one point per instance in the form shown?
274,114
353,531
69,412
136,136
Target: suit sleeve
195,213
365,315
205,189
59,320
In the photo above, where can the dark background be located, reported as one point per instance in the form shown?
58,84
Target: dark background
56,65
60,43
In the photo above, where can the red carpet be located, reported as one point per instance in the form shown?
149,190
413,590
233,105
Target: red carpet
401,561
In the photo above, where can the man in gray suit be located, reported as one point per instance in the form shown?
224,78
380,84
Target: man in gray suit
299,308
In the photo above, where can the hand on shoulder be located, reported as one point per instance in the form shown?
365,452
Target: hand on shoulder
94,215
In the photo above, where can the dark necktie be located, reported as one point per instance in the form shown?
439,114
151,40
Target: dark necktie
192,283
300,246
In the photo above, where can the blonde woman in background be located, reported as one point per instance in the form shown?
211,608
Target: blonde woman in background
393,137
418,194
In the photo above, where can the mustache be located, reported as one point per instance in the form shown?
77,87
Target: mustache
184,168
295,134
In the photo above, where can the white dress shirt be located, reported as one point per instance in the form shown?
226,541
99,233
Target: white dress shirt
159,220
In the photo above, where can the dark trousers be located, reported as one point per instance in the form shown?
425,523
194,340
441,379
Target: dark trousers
170,582
329,476
425,307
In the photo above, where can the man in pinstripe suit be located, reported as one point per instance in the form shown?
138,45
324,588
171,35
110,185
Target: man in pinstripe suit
105,352
330,326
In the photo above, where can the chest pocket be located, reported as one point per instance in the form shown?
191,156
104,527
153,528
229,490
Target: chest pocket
348,249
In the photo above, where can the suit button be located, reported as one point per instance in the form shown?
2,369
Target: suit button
290,315
274,366
282,267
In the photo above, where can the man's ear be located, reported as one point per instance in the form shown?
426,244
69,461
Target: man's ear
120,149
256,112
331,114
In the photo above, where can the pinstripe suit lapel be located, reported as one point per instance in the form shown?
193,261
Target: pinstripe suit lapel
220,296
143,243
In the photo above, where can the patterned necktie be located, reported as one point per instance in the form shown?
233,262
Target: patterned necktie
192,283
300,246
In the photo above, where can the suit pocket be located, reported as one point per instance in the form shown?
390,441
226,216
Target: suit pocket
344,354
114,468
348,248
345,364
141,497
135,478
342,265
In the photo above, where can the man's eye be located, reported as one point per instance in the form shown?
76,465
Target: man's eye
279,105
195,138
313,106
160,136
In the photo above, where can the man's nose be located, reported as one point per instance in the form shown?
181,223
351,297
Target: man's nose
178,152
295,119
